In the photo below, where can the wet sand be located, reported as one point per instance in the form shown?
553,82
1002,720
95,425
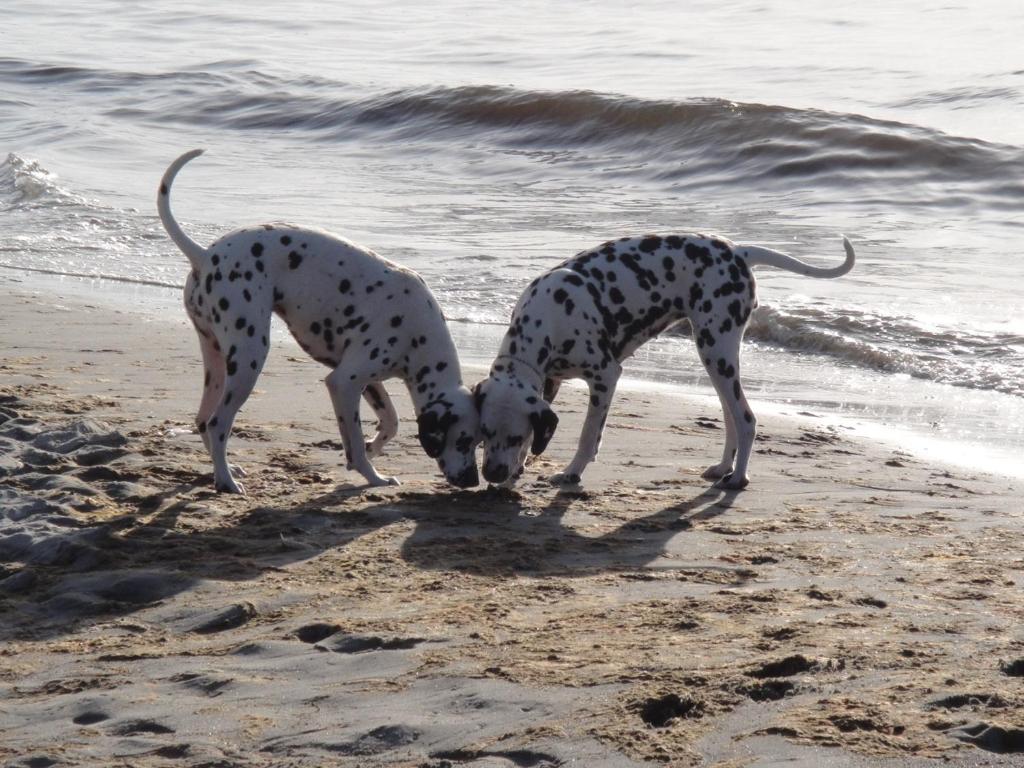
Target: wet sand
854,607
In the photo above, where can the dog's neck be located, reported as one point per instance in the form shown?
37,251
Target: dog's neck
516,366
433,367
523,354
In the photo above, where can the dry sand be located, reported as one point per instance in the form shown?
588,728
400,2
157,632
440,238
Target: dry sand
853,607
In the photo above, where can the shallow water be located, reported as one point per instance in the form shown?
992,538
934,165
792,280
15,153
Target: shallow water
481,145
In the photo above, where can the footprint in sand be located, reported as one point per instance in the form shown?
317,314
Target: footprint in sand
90,717
314,633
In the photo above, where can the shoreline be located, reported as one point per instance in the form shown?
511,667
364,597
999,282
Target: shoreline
476,346
855,606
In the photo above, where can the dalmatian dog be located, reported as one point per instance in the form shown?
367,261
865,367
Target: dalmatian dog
362,316
587,315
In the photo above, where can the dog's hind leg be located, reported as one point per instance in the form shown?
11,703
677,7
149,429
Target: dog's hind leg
214,373
724,467
721,360
241,371
387,418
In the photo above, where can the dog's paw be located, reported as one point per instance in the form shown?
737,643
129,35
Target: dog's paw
230,486
564,478
237,470
732,482
717,472
381,480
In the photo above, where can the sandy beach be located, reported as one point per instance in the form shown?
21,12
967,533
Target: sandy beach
855,606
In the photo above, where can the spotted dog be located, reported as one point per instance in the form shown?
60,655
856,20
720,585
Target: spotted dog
362,316
587,315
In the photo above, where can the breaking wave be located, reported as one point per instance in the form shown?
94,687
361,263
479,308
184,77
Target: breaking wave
896,345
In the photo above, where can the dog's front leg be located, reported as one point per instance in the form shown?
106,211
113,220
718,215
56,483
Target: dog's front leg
551,387
346,389
602,389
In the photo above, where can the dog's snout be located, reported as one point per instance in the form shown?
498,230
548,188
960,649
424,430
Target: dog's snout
467,478
496,473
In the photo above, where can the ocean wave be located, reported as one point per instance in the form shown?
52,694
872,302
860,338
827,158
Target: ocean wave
674,143
25,182
895,345
678,144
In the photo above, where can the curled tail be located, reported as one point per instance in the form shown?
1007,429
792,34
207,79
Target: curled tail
195,252
756,256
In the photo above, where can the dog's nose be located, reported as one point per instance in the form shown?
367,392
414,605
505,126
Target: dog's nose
467,478
496,474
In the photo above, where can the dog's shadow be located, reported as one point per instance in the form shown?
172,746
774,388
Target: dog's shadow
126,564
495,532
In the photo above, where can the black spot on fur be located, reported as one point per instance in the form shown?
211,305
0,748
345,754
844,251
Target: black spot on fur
650,244
737,313
257,250
696,253
294,260
285,240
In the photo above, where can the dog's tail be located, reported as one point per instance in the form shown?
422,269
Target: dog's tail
756,256
195,252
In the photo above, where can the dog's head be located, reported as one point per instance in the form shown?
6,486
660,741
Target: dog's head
448,432
513,420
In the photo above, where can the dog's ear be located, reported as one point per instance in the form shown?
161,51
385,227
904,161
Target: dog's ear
432,432
543,422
